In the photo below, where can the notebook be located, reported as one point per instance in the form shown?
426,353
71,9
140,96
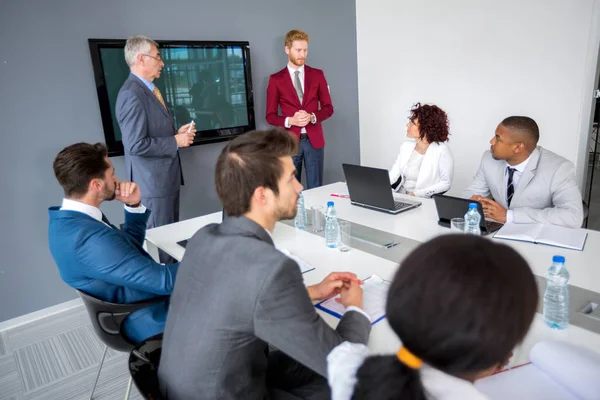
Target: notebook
374,297
558,371
550,235
304,266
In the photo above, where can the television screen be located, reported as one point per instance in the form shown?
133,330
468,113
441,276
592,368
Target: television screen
207,82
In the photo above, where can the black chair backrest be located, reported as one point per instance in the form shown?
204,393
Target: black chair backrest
107,319
143,366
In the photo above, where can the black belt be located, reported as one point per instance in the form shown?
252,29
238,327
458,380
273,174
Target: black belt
303,136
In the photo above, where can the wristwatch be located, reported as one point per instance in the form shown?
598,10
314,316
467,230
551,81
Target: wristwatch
134,205
313,118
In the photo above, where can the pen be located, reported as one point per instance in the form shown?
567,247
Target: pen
190,127
341,195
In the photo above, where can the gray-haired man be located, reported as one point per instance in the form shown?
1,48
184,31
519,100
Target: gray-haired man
150,139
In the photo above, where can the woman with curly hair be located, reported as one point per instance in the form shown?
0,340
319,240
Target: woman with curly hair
425,164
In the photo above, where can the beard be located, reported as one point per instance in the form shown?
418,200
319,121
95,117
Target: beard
109,194
296,61
492,153
283,213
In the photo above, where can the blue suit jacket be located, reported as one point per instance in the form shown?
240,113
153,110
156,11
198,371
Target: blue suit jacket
151,153
112,265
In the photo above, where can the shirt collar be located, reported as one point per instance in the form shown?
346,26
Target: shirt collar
520,167
74,205
292,70
146,82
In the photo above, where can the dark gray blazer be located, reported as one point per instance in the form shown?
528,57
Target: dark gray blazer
151,153
235,295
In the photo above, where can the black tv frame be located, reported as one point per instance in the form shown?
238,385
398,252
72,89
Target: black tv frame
115,147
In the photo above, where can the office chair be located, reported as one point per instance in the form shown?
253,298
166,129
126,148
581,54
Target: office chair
143,367
107,319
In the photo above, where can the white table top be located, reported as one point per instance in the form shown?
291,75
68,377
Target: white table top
419,224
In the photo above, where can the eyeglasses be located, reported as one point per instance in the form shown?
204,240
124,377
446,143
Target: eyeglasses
157,58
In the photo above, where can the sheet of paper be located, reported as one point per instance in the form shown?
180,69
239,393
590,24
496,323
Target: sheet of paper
526,382
374,296
304,266
558,370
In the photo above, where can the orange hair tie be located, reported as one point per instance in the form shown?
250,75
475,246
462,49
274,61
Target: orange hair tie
409,359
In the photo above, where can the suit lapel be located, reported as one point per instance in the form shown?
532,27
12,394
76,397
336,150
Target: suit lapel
289,84
307,82
527,175
151,95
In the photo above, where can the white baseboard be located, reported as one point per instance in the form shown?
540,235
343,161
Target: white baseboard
34,316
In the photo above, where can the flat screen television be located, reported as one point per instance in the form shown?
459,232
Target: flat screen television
208,82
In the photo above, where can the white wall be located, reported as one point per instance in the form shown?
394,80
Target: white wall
481,61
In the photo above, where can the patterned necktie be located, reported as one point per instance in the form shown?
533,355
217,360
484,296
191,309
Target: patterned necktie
298,85
159,96
510,188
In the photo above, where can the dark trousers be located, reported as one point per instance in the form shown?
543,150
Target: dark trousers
287,379
313,161
163,211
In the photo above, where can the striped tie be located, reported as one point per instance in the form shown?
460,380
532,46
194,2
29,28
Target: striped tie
159,96
510,188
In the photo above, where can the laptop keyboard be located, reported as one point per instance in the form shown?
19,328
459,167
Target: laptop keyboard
399,205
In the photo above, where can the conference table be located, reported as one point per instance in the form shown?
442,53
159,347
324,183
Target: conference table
410,227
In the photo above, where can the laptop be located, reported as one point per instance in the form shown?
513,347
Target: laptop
370,188
449,207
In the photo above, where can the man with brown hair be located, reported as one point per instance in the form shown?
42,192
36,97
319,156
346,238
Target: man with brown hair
237,297
303,95
91,254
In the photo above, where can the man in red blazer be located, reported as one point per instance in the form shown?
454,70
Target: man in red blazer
299,90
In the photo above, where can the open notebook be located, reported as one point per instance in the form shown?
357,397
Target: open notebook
558,371
544,234
304,266
374,296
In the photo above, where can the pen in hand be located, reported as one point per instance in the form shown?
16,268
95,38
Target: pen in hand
190,127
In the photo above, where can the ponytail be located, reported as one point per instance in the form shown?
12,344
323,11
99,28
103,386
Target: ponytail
386,378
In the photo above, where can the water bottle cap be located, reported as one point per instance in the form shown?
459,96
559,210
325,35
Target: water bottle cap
558,259
472,205
330,204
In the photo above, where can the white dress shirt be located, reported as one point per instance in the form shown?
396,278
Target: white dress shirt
292,72
344,361
94,212
516,178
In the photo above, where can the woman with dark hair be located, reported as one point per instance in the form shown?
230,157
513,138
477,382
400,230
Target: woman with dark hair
459,305
425,165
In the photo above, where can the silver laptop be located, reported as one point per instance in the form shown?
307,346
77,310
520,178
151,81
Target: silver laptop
370,188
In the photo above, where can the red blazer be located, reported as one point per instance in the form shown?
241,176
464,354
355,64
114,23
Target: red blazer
281,92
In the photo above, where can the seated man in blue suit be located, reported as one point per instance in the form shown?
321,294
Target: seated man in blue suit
94,256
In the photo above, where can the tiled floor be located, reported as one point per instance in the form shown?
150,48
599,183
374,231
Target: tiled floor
57,358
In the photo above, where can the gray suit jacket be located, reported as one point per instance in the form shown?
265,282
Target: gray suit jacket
235,295
547,192
151,153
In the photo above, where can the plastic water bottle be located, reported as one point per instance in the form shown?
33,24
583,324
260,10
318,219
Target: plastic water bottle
332,228
556,297
300,220
472,219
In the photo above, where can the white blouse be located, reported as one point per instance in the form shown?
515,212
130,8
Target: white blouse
435,171
344,361
411,172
